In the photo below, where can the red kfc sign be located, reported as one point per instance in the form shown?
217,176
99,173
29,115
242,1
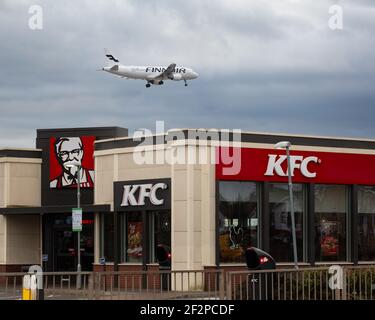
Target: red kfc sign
276,165
306,166
71,158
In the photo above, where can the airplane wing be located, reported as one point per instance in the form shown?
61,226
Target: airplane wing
167,72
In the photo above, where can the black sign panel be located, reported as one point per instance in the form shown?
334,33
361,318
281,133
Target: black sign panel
138,195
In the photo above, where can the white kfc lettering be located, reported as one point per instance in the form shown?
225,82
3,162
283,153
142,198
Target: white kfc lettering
296,162
304,165
145,191
274,164
154,200
128,197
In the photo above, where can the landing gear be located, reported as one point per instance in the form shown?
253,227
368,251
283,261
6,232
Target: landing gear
148,85
185,83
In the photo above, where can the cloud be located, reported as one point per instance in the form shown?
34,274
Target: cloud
264,66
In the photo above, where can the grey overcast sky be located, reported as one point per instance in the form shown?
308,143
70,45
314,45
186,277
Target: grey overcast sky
270,66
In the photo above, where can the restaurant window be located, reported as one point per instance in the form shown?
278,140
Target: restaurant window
366,223
331,211
133,229
160,225
281,237
238,219
107,239
132,237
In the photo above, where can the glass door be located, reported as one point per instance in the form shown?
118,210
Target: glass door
160,232
63,249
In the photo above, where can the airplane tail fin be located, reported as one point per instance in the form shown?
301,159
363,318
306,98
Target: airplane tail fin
110,56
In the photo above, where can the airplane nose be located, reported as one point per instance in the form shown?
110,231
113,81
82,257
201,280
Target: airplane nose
196,75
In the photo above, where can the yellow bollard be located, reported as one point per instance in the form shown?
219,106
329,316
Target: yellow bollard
26,291
33,288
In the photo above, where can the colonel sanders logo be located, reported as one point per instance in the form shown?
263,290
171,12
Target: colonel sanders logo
71,160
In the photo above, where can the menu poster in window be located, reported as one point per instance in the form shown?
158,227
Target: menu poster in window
329,243
134,239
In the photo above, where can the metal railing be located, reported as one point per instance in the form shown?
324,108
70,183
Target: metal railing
11,286
56,285
63,285
124,285
357,282
163,284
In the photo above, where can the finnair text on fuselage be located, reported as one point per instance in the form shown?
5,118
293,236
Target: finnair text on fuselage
162,69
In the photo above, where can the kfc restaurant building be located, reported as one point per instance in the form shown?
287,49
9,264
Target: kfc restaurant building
38,190
206,210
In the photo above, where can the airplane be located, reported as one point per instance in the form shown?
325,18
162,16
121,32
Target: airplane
152,74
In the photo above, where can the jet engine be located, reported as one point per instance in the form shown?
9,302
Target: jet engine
154,82
175,77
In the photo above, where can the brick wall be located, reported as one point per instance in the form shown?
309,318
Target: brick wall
11,268
135,280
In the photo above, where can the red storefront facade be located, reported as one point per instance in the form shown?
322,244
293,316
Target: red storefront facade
334,195
308,167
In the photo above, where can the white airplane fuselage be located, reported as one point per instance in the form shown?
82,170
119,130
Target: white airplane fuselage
151,73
